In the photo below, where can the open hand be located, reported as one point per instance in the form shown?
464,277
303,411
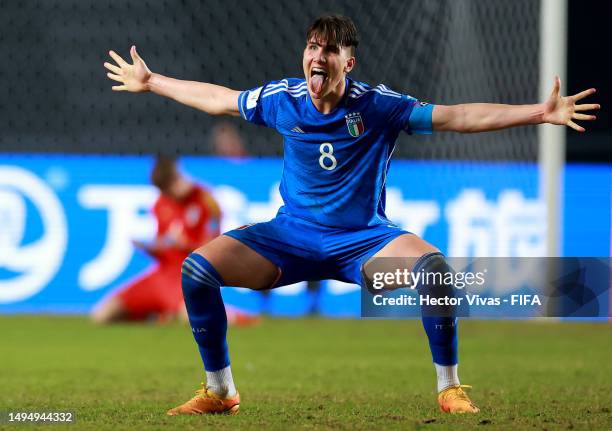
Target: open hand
133,77
563,110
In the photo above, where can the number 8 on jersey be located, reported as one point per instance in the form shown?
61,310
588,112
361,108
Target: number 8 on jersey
327,152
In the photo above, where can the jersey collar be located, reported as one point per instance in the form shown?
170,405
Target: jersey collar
342,103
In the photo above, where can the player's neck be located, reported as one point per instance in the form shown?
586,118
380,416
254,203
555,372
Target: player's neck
327,104
181,189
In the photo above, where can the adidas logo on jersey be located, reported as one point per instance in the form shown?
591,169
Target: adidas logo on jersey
297,130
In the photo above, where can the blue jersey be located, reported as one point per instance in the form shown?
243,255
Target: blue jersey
335,165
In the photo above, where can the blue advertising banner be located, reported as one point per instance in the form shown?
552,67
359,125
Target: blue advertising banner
67,222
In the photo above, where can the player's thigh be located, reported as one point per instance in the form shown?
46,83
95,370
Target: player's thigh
407,245
238,264
400,253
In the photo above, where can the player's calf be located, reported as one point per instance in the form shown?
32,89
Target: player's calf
440,324
202,292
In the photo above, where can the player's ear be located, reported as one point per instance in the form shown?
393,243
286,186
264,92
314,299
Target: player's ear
350,64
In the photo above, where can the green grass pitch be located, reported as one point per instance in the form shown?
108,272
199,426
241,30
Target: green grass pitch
309,374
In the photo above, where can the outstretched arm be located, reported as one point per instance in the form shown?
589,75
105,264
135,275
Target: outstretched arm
484,117
137,78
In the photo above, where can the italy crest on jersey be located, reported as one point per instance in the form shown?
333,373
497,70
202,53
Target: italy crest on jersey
354,124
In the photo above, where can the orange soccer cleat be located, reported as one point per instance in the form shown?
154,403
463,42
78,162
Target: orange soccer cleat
207,402
455,400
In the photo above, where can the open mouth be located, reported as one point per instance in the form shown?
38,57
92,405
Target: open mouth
318,76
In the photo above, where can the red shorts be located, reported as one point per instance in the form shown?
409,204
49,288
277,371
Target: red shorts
156,292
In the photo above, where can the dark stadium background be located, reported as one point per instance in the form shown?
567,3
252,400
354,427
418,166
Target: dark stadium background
588,66
55,97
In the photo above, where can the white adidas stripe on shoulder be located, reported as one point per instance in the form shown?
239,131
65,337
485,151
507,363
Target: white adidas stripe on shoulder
356,93
295,90
359,86
388,90
272,87
293,93
357,89
387,93
284,84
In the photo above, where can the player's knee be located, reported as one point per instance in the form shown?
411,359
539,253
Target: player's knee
98,318
107,312
437,280
434,262
198,272
433,270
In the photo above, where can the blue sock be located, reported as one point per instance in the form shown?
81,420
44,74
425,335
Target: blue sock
442,334
440,325
202,293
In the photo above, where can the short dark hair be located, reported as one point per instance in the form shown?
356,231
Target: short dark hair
164,172
335,30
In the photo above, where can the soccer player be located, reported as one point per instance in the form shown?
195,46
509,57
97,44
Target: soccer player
339,135
187,216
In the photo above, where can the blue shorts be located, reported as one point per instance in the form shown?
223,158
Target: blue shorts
308,251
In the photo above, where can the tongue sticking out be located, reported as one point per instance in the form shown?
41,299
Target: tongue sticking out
316,81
